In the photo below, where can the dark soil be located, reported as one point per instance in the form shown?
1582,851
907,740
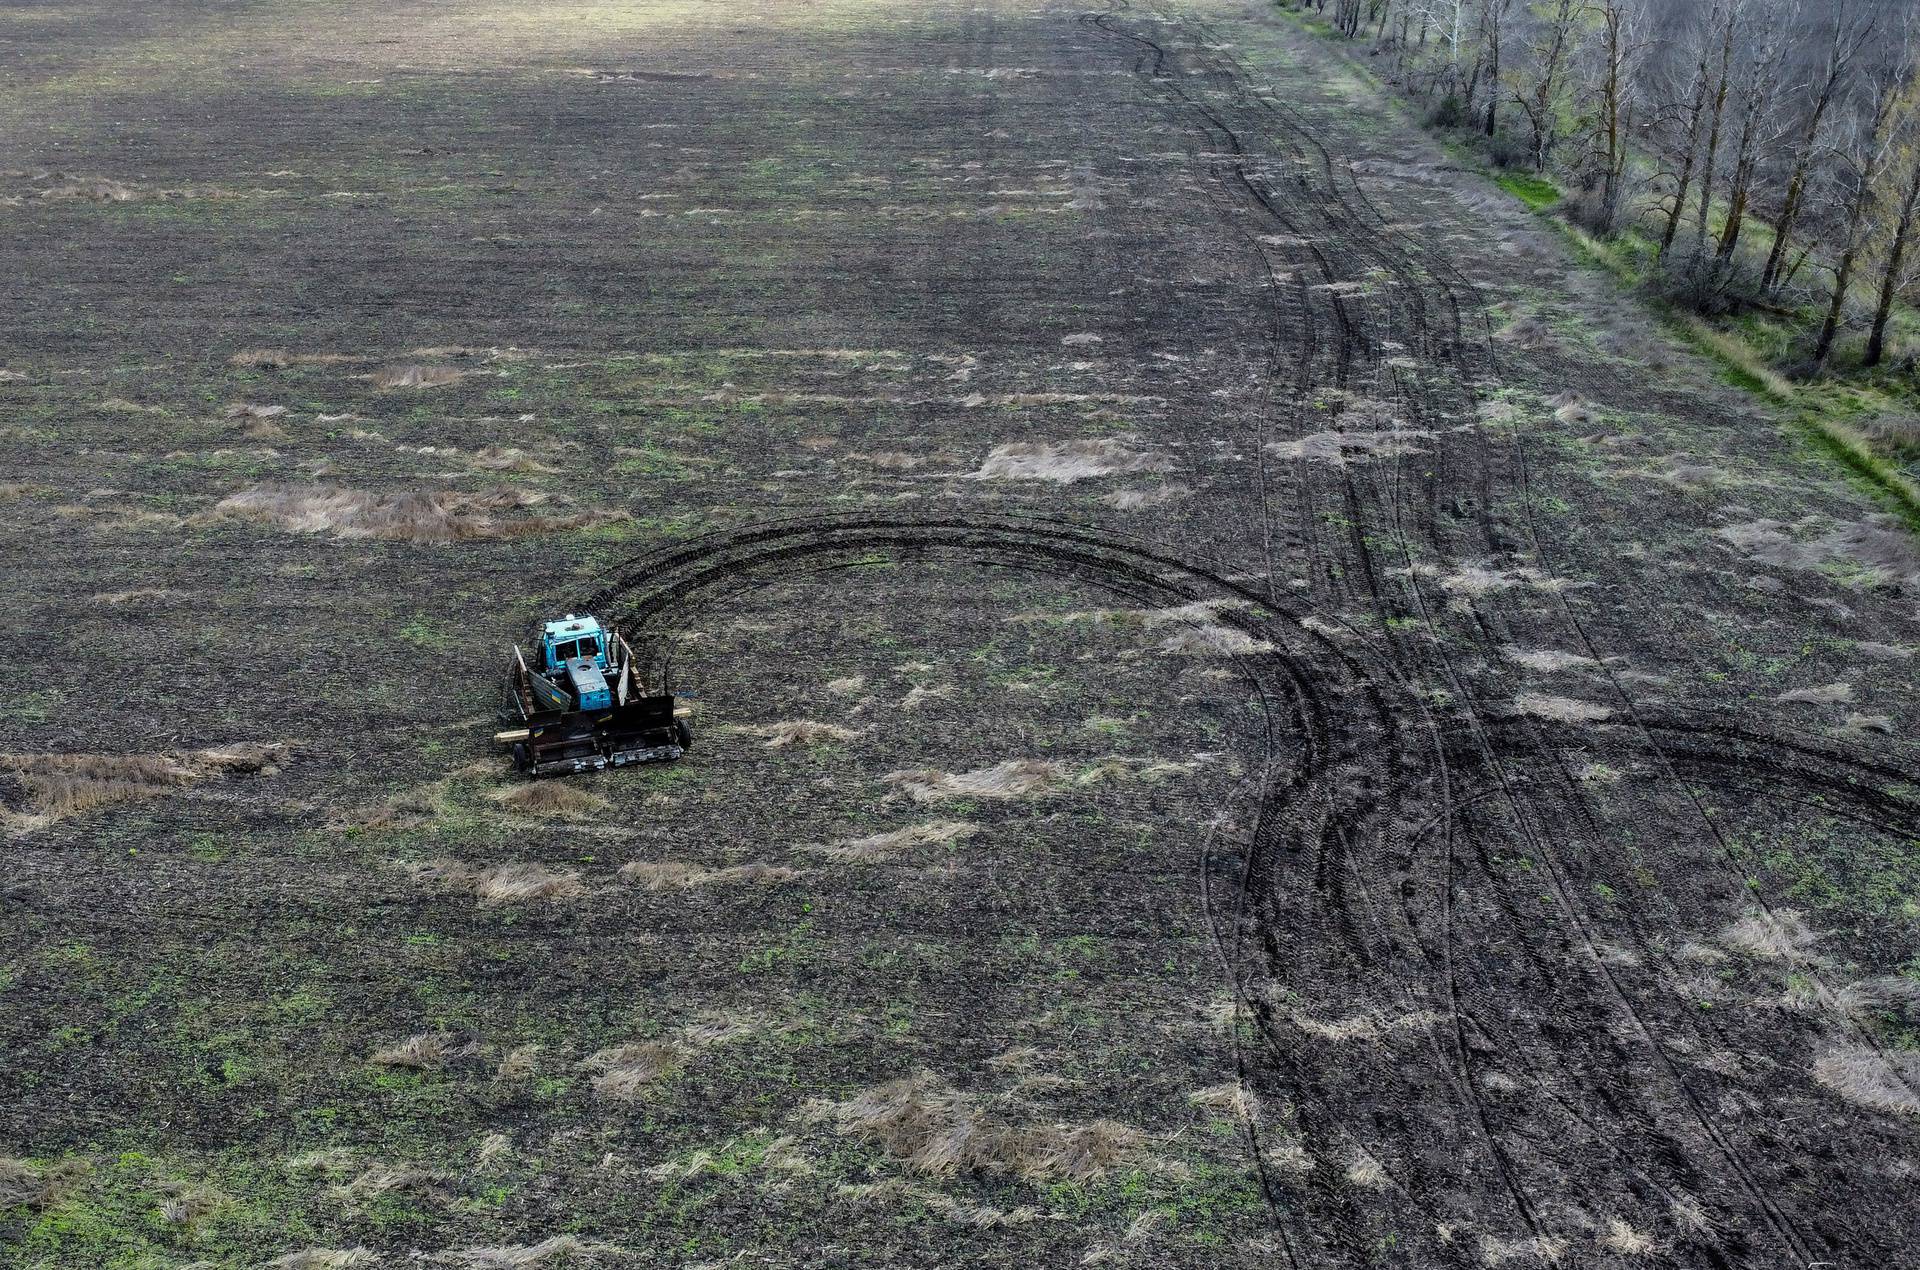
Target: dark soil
1398,850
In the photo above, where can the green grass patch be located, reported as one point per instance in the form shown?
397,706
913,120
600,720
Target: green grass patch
1535,191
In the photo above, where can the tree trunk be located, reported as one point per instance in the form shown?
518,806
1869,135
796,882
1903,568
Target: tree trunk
1541,112
1784,226
1696,111
1890,283
1847,40
1612,117
1830,328
1873,157
1713,138
1843,274
1493,70
1745,158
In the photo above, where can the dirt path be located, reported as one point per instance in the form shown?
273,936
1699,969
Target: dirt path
1250,710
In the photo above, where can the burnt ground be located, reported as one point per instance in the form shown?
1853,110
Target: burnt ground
1331,742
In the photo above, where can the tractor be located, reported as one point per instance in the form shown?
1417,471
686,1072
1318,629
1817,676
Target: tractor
584,706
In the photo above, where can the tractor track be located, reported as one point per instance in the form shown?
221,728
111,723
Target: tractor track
1292,813
1343,216
1345,326
1407,887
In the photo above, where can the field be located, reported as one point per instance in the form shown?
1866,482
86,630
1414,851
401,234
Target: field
1249,710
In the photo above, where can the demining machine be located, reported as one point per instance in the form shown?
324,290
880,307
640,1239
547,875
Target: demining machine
582,705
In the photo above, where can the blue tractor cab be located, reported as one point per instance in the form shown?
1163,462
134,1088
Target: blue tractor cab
571,639
576,654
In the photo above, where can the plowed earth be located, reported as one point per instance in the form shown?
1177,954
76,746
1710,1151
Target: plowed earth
1249,713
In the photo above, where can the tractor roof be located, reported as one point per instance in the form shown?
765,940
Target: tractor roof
572,627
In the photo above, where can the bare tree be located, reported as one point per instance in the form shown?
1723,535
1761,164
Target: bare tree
1894,277
1619,47
1768,41
1792,109
1718,97
1696,112
1493,20
1865,158
1852,25
1550,50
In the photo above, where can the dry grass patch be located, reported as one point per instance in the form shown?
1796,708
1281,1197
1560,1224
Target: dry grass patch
495,458
1877,551
280,358
934,1129
1862,725
894,460
1526,331
424,1051
782,1155
1561,709
54,786
560,1249
1777,935
1133,500
1625,1240
1011,778
1231,1098
521,1062
1364,1170
792,733
1888,1082
1819,695
1548,661
680,875
1065,462
114,599
393,377
384,1179
264,358
1356,446
1551,1249
1471,582
1575,413
88,189
556,799
1868,999
1199,633
1210,639
517,883
21,1185
406,516
323,1259
510,883
978,1216
624,1072
1362,1027
886,846
719,1029
920,694
24,1185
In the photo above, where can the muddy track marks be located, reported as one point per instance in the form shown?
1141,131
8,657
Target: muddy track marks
1398,523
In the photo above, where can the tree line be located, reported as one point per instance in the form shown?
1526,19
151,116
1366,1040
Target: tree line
1761,154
